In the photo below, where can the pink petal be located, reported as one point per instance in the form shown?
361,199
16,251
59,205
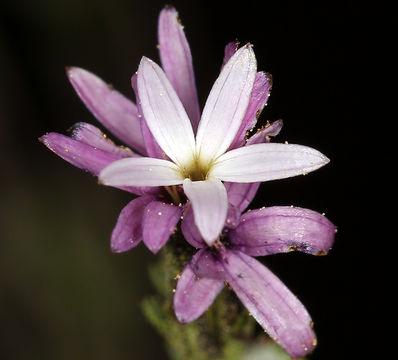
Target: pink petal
210,204
128,230
193,295
113,110
230,49
190,230
158,223
152,148
258,99
91,135
141,172
281,229
271,303
226,105
264,162
164,113
176,59
241,194
87,158
263,134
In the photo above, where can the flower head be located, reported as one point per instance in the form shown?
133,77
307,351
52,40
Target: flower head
202,162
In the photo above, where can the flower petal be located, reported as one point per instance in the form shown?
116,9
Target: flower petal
164,113
78,153
208,264
258,99
152,148
158,223
112,109
176,59
91,135
226,105
280,229
128,230
263,134
190,230
264,162
241,194
193,296
271,303
210,204
141,172
230,49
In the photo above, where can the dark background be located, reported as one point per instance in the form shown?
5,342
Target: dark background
63,295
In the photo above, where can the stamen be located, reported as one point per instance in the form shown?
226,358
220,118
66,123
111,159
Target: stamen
173,192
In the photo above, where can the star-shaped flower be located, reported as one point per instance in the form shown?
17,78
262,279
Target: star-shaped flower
202,161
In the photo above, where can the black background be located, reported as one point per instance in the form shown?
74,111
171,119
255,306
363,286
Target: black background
63,294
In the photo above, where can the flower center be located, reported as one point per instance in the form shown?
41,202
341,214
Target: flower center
197,171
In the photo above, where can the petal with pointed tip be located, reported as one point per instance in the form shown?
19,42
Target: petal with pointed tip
176,59
128,230
264,162
112,109
271,303
140,172
193,295
280,229
165,114
91,135
241,194
158,223
258,99
210,204
226,105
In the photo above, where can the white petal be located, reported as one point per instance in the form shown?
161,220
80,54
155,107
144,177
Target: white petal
210,204
165,114
226,105
263,162
141,172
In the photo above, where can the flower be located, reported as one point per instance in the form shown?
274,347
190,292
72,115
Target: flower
202,162
259,232
88,148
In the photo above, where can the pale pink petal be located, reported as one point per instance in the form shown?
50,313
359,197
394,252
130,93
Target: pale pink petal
194,295
152,148
280,229
176,59
258,99
164,113
271,303
128,230
141,172
91,135
158,223
210,205
226,105
264,162
112,109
